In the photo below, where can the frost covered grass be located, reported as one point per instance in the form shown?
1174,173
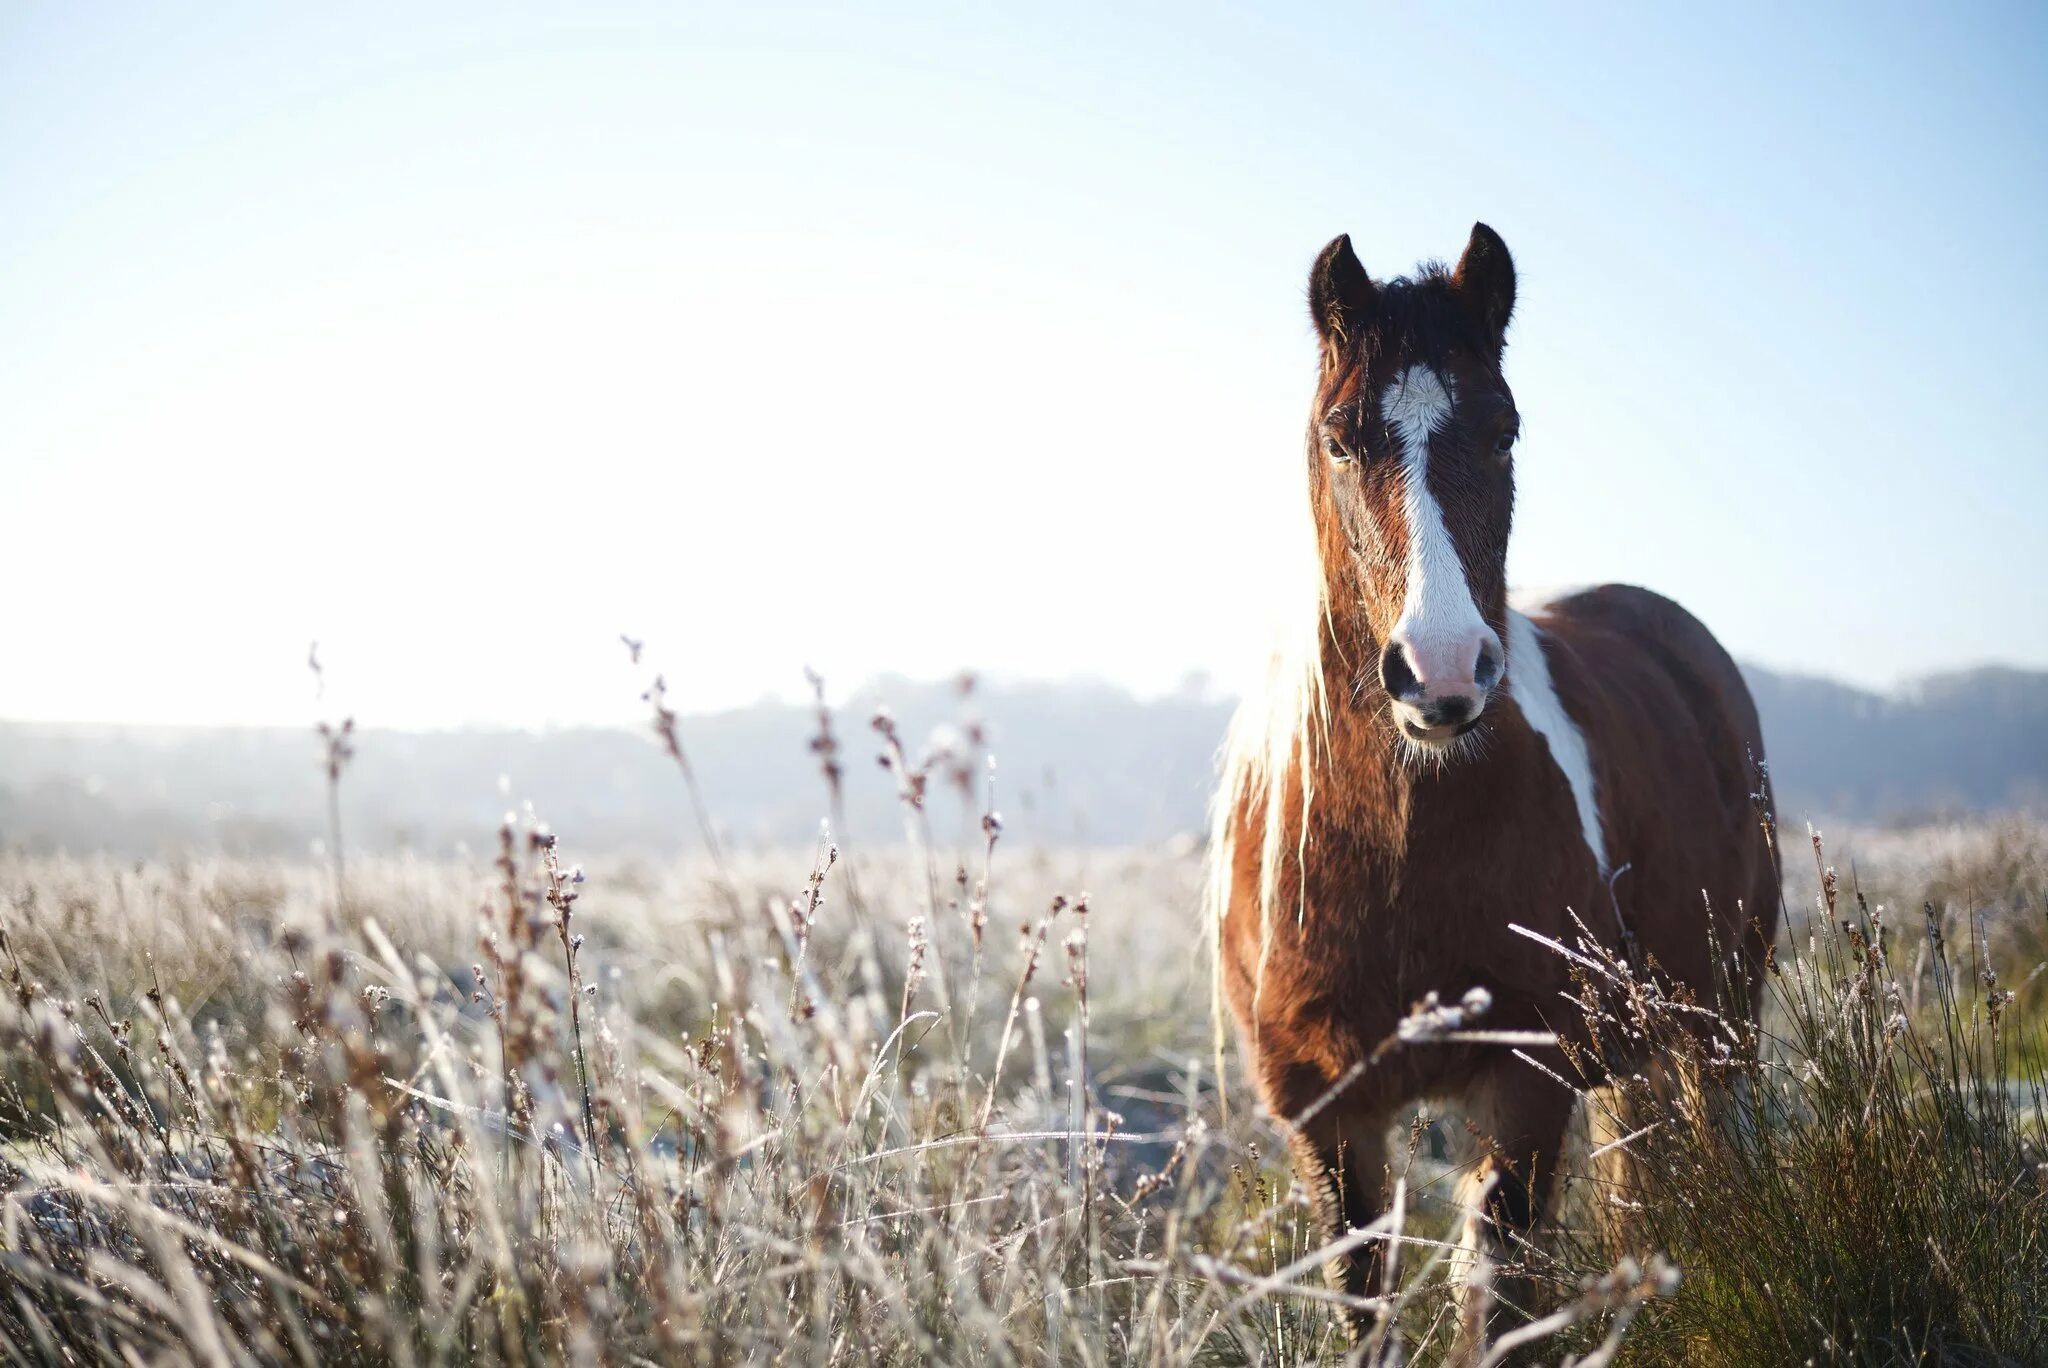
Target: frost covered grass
1863,1177
943,1101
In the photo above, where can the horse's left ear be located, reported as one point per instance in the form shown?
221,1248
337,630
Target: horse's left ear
1485,283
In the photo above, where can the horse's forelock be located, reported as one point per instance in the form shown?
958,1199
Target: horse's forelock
1416,320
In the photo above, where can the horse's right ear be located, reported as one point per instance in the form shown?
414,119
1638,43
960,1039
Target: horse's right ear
1339,293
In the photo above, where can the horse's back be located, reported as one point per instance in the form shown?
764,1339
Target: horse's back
1679,756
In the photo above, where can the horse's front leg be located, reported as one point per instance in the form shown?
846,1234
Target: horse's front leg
1339,1147
1520,1116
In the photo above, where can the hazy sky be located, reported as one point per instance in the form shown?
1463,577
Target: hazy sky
463,338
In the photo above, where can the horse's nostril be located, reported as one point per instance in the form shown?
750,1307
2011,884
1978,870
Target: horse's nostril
1487,673
1395,674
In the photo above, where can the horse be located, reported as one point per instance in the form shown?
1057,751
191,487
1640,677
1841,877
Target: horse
1428,767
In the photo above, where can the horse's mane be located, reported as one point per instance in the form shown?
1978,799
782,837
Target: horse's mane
1277,735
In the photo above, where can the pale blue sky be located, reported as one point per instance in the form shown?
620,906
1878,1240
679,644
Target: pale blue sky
463,337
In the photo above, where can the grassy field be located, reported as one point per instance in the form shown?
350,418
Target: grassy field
823,1108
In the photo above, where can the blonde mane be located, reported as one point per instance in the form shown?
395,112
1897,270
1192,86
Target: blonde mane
1278,733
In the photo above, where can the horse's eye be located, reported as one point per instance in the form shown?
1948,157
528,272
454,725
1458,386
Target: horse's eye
1506,445
1334,448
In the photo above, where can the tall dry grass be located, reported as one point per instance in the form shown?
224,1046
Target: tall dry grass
945,1102
1862,1177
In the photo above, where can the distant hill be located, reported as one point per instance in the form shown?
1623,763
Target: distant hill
1970,741
1078,762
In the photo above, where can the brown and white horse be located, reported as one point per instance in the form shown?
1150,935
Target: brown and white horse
1430,765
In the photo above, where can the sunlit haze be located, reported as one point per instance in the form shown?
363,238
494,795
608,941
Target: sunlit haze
464,338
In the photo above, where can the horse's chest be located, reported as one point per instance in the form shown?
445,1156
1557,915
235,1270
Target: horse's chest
1386,936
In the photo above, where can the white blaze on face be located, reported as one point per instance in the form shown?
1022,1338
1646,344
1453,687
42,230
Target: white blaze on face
1439,621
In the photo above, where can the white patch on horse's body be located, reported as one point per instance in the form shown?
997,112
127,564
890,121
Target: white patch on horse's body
1438,612
1528,679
